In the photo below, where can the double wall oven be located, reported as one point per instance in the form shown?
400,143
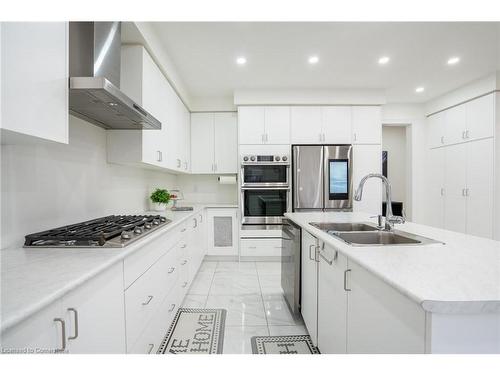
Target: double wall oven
265,188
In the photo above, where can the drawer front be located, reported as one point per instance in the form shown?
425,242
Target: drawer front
139,262
261,247
150,340
146,294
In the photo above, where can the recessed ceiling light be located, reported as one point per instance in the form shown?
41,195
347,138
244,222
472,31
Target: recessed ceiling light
419,89
453,60
313,59
384,60
241,60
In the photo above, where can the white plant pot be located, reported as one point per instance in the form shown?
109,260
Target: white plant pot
159,207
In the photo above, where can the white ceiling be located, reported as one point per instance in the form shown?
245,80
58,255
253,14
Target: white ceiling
204,56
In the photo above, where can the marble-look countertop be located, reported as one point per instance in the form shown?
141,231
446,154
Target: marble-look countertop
460,277
33,278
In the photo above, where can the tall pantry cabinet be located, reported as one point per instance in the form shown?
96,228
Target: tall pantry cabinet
461,168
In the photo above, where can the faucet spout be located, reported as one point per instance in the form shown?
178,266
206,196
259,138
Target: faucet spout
390,218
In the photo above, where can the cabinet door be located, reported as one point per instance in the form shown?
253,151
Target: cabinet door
95,314
34,76
306,125
480,187
455,124
337,125
368,159
454,186
480,117
222,232
332,302
366,125
436,125
277,125
226,144
309,285
379,318
38,334
251,125
434,210
186,140
202,142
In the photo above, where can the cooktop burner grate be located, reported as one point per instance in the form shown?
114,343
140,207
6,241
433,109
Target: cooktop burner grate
97,232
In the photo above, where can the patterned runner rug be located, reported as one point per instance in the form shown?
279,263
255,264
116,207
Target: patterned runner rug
300,344
195,331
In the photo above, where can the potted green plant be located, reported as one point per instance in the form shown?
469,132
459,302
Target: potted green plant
160,199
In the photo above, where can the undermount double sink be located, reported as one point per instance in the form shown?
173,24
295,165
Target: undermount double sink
367,234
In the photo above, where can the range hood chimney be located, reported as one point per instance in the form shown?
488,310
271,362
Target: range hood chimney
94,84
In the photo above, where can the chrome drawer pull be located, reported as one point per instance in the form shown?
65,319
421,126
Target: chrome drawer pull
151,346
150,298
63,335
310,247
184,284
76,324
184,246
171,269
172,307
345,281
184,262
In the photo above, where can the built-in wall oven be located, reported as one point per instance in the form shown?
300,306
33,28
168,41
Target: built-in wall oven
265,188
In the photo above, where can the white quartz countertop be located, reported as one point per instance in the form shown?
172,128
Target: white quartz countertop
33,278
461,276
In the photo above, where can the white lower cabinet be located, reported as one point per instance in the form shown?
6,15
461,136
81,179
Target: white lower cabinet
379,318
222,231
332,301
88,320
260,247
309,285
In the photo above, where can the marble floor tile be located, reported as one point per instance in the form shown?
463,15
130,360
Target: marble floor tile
277,311
201,283
232,284
241,309
268,268
287,330
236,268
270,284
194,301
208,266
237,339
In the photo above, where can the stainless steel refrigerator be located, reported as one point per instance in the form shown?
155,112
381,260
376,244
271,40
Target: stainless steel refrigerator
322,177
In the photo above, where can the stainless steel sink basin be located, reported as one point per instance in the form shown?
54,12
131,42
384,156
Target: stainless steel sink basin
344,227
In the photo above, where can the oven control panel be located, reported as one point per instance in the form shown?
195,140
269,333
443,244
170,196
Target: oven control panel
265,159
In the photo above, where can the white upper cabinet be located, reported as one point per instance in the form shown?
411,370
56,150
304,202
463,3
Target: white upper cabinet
202,144
336,125
251,122
169,147
455,125
264,125
306,125
480,118
366,125
34,79
277,125
214,143
225,143
436,130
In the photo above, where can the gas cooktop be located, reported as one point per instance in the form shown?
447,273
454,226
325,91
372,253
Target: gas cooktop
108,231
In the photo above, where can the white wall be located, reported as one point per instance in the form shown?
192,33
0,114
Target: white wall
394,142
413,116
48,185
206,188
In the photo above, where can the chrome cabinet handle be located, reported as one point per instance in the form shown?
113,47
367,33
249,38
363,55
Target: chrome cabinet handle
345,280
355,137
195,223
467,134
171,269
311,246
201,218
150,298
184,262
184,284
464,192
160,156
442,192
63,334
172,307
179,163
463,134
151,346
183,246
75,335
442,140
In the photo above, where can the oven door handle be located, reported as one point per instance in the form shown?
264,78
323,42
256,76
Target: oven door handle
265,188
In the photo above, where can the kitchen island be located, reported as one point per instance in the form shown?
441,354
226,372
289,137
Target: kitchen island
433,298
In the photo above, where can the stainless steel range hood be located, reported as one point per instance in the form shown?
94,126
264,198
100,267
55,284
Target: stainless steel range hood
94,69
